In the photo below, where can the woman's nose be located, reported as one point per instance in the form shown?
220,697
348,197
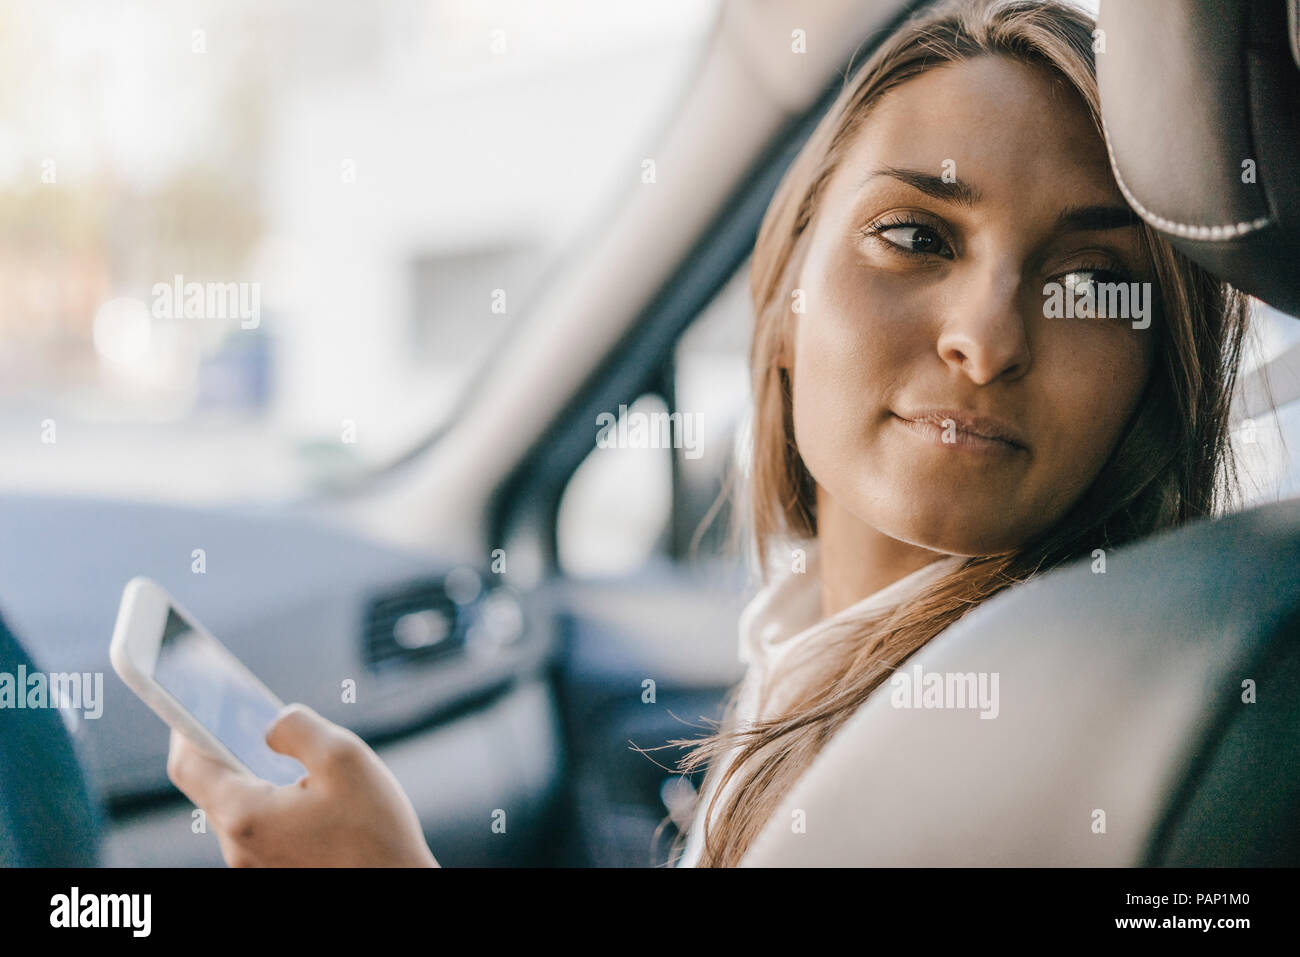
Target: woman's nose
983,334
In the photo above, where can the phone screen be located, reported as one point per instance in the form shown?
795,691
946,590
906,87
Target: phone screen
201,675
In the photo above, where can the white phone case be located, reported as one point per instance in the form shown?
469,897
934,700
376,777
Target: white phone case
136,639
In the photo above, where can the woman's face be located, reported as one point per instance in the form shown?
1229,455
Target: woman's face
934,397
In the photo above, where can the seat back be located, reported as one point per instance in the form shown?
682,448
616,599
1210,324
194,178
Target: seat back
47,816
1147,713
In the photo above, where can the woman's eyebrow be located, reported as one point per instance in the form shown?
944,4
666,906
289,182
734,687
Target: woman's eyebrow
1077,219
1082,219
957,191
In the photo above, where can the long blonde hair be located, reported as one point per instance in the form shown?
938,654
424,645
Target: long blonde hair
1172,463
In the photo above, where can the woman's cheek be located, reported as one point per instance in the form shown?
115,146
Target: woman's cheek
830,404
860,327
1092,395
818,396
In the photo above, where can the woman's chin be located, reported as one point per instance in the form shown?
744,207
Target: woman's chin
951,526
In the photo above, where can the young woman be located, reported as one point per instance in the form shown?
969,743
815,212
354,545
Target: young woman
928,428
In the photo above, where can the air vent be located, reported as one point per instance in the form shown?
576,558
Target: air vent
416,622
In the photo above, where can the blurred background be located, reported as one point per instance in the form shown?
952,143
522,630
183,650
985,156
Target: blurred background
392,182
389,186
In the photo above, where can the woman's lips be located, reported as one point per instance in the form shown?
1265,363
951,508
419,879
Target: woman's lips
959,431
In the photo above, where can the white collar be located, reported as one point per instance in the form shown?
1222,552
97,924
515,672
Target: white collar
790,606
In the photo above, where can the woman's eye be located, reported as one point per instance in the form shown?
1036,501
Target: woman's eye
1085,282
914,238
1092,290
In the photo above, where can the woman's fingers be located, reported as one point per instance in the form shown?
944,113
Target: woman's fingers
319,745
190,768
349,811
208,783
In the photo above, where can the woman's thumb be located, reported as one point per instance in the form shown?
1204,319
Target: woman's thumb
301,733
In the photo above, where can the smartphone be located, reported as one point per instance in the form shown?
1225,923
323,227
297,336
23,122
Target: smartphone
195,684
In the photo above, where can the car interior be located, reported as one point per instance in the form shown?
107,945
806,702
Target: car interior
559,681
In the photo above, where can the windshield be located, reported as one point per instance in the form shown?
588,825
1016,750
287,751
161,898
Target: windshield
250,249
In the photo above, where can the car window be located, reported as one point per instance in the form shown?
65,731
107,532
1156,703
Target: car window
250,248
651,488
1266,420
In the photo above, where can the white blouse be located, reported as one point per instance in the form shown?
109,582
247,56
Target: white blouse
785,615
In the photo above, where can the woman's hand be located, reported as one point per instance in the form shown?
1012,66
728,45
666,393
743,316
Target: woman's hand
348,811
